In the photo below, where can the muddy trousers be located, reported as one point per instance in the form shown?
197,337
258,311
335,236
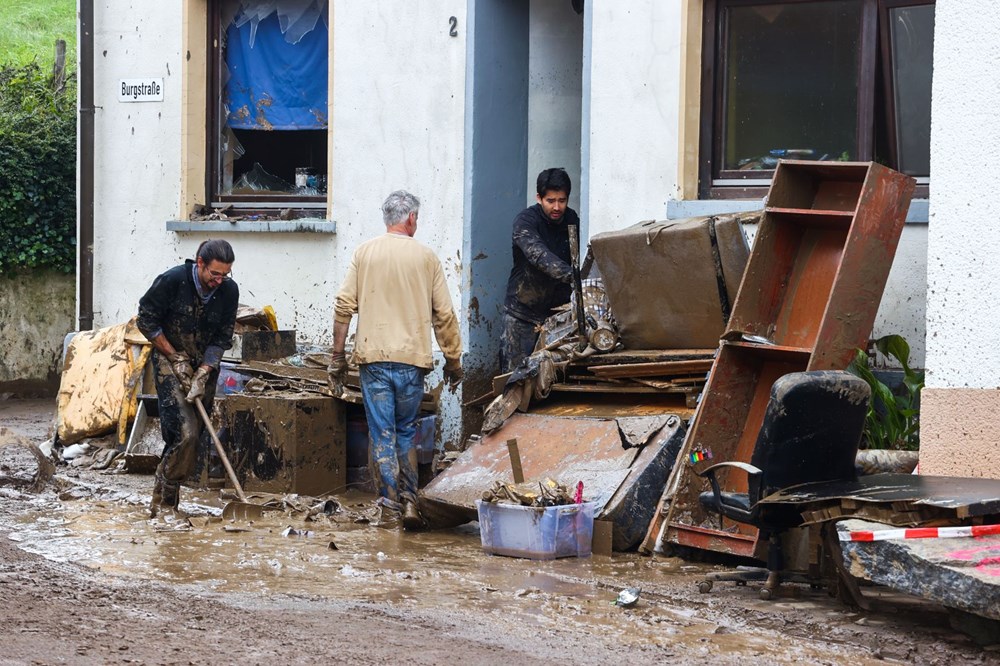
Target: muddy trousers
181,428
519,339
392,393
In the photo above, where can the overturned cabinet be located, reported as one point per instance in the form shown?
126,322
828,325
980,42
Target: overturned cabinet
287,443
807,300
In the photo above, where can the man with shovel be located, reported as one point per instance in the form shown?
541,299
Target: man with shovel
188,314
397,288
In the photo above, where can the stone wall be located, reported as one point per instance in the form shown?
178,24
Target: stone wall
37,310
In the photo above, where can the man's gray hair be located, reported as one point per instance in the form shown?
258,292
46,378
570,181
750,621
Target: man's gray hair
398,206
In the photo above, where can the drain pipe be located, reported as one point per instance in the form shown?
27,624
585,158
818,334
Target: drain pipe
85,181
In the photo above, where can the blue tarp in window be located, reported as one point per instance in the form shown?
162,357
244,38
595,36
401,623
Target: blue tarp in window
274,84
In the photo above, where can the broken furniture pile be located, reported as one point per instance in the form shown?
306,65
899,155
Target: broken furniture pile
613,417
660,292
283,432
669,286
677,371
808,299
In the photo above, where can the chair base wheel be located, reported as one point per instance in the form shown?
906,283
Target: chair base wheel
766,594
705,586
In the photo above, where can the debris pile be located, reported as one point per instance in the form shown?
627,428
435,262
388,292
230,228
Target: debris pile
531,493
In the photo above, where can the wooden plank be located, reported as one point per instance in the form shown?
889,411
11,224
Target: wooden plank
481,400
658,369
604,388
515,460
499,382
601,544
593,379
683,383
632,356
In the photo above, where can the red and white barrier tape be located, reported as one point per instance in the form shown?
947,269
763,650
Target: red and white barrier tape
921,533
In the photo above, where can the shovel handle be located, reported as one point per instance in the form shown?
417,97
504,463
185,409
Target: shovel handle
222,452
574,253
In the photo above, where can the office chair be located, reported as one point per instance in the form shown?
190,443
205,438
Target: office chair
811,430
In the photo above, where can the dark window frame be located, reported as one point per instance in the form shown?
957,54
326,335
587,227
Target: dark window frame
888,71
265,205
874,67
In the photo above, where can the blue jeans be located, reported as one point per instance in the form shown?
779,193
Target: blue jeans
392,393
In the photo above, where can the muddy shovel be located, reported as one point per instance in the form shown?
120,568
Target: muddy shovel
242,510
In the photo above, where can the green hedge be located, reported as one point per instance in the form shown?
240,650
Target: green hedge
37,171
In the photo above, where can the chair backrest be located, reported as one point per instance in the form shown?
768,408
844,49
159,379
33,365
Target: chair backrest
811,429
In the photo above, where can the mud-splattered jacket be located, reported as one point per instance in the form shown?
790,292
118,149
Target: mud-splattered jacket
541,276
172,305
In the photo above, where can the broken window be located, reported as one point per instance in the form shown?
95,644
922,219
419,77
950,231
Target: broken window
845,80
268,104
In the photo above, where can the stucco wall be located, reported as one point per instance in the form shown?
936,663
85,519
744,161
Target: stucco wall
36,313
555,86
397,122
401,118
136,162
631,91
960,405
962,312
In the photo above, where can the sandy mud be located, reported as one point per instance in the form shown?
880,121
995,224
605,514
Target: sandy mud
86,578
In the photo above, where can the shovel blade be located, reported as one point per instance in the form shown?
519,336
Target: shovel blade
243,511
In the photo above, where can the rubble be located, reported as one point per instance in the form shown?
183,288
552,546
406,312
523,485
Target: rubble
957,573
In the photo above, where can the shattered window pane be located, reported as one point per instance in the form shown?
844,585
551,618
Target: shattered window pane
273,97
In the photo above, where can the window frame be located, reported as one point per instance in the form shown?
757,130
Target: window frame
266,205
871,70
888,85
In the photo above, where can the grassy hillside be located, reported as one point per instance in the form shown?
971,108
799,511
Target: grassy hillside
30,29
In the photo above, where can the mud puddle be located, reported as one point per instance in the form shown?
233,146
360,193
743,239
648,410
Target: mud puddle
443,570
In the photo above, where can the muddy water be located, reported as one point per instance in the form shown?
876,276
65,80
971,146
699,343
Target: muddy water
444,570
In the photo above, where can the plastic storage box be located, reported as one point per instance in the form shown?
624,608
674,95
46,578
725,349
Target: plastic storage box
538,533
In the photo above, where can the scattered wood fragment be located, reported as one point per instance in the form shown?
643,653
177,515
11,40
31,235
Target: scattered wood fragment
657,369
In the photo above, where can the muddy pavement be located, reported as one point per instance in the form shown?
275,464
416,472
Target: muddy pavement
85,578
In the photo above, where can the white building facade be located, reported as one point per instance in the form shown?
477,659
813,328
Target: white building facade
652,106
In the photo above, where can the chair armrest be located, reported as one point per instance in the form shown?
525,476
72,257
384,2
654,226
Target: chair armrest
746,467
753,474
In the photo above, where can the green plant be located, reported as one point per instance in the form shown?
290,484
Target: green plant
892,421
30,29
37,171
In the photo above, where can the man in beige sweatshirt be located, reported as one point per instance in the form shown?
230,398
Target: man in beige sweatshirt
396,286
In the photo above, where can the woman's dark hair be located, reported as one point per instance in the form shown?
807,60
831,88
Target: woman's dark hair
553,179
216,250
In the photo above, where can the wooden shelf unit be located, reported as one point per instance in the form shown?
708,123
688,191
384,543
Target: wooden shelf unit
808,299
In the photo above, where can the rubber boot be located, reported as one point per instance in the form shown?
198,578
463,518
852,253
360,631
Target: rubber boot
171,496
157,498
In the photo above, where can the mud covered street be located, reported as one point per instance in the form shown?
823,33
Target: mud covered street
85,578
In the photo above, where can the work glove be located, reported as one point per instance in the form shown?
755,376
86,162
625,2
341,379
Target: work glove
181,365
453,373
335,372
198,384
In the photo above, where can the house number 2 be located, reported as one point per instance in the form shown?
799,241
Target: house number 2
452,26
